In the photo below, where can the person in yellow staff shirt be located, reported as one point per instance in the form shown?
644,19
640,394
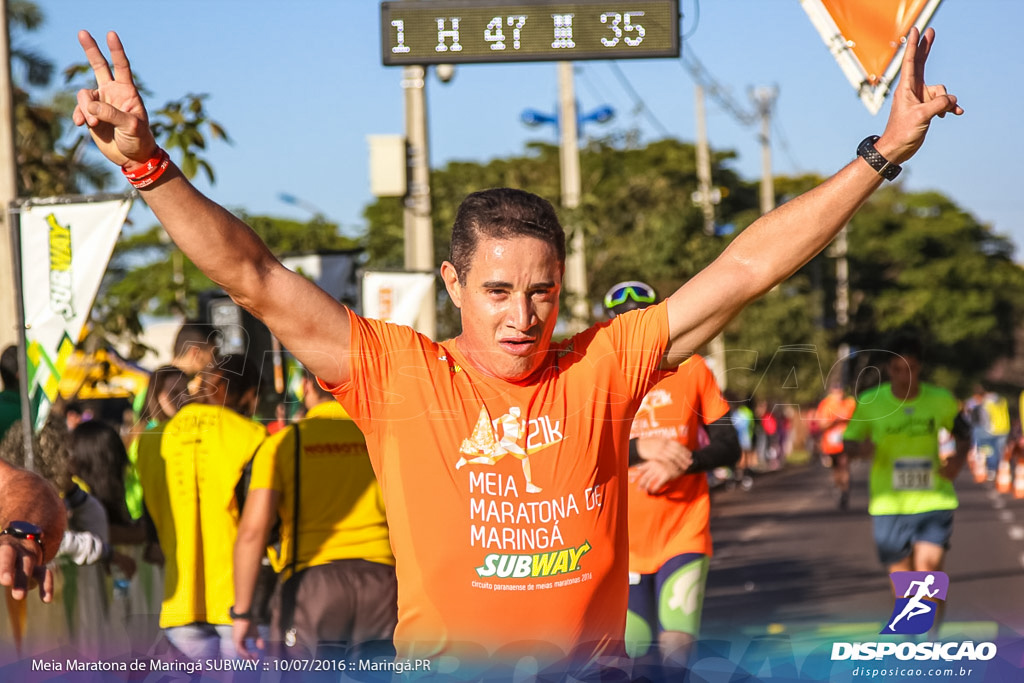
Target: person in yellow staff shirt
337,574
189,471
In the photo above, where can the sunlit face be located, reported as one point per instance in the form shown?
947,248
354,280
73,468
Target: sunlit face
509,304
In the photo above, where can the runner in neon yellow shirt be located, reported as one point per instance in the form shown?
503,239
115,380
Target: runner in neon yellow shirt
911,497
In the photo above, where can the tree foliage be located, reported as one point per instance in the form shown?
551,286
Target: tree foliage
915,259
148,274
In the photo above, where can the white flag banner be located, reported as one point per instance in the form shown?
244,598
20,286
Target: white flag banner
396,297
65,248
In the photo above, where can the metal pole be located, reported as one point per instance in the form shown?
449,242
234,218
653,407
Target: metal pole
765,100
716,347
12,218
8,187
842,290
569,155
419,231
704,163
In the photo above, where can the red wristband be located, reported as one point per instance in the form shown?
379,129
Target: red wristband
141,174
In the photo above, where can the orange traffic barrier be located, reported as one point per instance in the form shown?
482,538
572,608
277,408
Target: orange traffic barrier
977,460
1004,480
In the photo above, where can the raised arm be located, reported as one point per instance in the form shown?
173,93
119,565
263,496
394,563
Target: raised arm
309,323
780,242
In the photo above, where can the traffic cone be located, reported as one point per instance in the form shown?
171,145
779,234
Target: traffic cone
1018,480
977,465
1004,481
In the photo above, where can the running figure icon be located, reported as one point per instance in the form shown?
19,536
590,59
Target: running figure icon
919,600
489,450
916,606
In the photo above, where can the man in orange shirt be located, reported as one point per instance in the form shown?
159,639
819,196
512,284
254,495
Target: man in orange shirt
681,431
833,414
487,569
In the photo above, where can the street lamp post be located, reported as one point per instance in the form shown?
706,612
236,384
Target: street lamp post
569,123
419,230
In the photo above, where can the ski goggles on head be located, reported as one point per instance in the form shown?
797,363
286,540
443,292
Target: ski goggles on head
639,292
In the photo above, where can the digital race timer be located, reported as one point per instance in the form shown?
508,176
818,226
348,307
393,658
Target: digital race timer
467,31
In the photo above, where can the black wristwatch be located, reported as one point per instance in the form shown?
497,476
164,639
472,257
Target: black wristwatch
239,615
19,529
866,150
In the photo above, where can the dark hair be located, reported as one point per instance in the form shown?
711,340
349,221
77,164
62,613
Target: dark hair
194,334
166,379
905,343
502,213
50,447
98,457
239,376
9,368
321,392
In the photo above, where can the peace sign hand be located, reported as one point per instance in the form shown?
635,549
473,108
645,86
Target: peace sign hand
114,112
914,102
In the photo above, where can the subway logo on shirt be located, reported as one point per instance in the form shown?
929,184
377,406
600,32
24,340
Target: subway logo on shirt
551,563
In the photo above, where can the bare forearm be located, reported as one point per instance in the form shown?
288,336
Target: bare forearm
251,543
766,253
780,242
216,241
305,319
248,555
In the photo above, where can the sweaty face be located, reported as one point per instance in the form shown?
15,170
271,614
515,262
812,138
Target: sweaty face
509,304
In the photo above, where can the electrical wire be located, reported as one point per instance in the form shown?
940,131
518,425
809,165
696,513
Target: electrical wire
638,102
714,89
780,138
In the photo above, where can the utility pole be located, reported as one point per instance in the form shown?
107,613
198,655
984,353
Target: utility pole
569,155
764,98
842,292
419,231
8,188
707,197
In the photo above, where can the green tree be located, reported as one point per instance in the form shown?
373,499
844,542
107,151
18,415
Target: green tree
915,258
48,164
635,211
148,274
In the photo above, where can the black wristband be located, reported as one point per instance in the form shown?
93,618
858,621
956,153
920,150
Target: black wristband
239,615
634,453
866,151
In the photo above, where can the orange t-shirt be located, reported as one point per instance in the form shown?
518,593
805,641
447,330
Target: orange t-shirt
675,520
833,408
487,568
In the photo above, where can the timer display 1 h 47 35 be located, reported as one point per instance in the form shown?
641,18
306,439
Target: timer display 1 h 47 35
477,31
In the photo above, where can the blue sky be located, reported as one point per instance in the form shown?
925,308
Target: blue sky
299,86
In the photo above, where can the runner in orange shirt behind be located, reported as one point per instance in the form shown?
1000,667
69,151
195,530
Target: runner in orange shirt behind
681,431
833,414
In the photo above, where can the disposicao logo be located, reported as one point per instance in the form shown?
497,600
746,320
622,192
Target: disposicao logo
914,612
917,601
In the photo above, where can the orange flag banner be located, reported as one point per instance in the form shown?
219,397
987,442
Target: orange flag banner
867,39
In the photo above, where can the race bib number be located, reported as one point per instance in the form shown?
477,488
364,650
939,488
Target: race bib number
912,474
